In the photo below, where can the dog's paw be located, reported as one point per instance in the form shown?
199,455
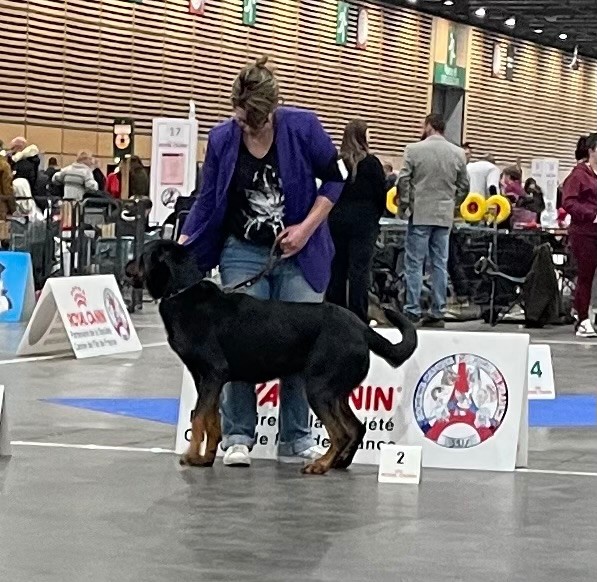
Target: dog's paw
314,469
189,460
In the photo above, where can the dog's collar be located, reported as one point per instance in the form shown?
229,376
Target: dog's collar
179,292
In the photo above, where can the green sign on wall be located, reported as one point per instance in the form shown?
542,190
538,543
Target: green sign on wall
449,73
249,12
452,47
342,23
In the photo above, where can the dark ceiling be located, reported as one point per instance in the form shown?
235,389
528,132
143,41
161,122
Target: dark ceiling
575,18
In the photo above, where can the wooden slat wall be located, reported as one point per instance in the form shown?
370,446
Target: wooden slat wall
540,113
84,63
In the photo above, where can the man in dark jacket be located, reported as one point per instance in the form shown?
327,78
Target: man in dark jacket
25,161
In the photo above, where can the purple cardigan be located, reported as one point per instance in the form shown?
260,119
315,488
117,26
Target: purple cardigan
305,152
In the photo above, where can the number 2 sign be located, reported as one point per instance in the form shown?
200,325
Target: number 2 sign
400,464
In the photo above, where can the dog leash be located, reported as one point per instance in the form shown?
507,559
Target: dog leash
274,259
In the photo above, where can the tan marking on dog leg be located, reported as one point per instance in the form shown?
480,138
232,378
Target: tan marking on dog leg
193,454
214,434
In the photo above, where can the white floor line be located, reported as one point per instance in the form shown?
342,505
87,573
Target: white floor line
554,472
155,345
33,359
170,452
64,356
90,447
564,342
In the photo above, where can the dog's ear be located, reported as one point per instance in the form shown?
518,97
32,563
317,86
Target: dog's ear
156,264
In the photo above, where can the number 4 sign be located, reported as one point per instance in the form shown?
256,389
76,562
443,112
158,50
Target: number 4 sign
399,464
540,377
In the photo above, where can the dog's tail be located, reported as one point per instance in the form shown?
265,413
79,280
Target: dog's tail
394,354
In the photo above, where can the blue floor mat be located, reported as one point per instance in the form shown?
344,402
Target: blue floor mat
567,411
570,410
163,410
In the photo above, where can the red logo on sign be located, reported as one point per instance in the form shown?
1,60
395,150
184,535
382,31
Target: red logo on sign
369,398
79,296
82,318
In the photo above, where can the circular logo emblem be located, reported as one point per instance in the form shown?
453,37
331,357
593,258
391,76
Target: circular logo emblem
461,401
169,197
116,314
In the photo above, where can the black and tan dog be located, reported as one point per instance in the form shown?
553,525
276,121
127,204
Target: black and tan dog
223,337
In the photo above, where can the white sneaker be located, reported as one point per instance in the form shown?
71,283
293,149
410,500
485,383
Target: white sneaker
311,454
237,456
585,329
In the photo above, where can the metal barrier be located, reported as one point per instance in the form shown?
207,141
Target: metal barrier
95,235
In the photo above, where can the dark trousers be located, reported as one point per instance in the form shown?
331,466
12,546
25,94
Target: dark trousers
351,267
584,249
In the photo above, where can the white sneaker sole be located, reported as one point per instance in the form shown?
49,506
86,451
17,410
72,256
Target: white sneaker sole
586,335
237,462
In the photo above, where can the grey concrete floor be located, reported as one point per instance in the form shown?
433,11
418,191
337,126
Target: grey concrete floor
69,515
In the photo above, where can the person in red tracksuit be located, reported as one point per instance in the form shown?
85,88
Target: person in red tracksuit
580,202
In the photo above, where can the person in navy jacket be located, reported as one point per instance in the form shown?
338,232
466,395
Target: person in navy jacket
271,176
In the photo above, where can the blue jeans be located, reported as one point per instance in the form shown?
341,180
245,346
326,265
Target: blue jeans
423,241
238,406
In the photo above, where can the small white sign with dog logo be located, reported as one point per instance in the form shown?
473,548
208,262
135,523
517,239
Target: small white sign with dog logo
541,379
400,464
5,449
82,315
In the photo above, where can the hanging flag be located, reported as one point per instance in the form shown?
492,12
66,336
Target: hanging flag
363,28
249,12
197,7
342,23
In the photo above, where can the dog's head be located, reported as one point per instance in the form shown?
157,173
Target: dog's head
161,268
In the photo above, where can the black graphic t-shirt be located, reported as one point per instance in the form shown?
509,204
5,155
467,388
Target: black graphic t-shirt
255,199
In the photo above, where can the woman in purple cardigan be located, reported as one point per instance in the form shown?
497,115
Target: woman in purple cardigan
260,181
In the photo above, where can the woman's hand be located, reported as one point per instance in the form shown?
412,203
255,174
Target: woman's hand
293,239
183,238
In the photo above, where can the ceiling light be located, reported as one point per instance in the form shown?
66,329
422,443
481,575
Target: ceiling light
412,1
480,12
511,22
448,2
538,31
563,36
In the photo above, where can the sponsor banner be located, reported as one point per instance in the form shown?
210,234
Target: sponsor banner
17,293
460,397
83,315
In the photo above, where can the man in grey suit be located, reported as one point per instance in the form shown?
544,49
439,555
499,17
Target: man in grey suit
433,177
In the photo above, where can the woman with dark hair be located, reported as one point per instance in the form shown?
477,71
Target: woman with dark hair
259,190
580,201
582,151
354,222
138,179
533,201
